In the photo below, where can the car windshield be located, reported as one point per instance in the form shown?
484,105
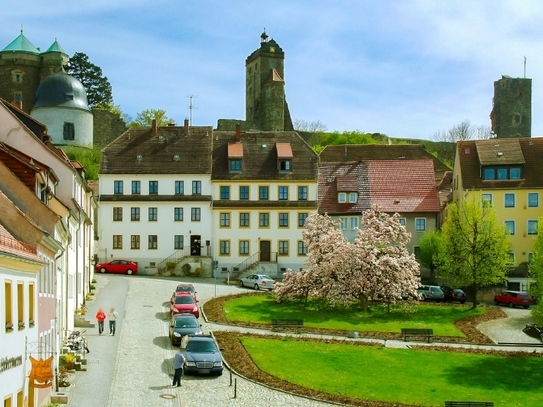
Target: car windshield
524,296
185,289
185,299
186,323
265,277
201,346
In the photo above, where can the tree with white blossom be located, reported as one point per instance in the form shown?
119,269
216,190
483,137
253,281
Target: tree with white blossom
377,265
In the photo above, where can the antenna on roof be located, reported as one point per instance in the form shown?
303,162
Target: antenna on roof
191,107
525,67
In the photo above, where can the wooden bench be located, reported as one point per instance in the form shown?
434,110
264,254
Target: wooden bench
469,404
282,323
409,332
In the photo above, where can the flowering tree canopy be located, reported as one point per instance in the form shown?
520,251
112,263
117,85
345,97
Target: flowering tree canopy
376,265
536,272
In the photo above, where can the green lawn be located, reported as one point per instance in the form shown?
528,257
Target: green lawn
263,308
408,376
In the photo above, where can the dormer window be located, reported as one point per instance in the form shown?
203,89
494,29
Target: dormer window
284,157
342,197
353,197
235,165
501,173
235,157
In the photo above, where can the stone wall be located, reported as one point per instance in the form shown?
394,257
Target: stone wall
107,127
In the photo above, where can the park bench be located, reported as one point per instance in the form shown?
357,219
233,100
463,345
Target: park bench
409,332
289,323
469,404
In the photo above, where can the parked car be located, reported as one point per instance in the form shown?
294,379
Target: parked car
453,294
258,282
181,325
118,266
430,293
185,303
184,288
203,355
514,299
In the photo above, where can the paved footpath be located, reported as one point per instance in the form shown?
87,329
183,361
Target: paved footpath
135,367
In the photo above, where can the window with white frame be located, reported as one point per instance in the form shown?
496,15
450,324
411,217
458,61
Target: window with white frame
354,222
224,247
509,200
117,241
135,214
401,221
302,193
136,187
118,187
486,199
420,224
302,216
152,242
179,187
532,227
283,247
225,219
135,242
302,249
283,193
178,242
342,197
195,214
177,214
244,219
344,222
533,199
244,192
511,258
117,214
510,226
283,219
153,187
196,187
353,197
243,247
153,214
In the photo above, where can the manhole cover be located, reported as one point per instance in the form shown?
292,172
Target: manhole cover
168,396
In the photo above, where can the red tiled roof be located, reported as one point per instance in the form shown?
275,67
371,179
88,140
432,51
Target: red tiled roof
11,246
403,186
394,185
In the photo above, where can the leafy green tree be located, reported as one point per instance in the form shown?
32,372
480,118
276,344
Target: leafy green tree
536,272
89,159
98,88
428,251
474,248
146,117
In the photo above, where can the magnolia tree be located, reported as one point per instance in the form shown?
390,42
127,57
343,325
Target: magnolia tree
376,265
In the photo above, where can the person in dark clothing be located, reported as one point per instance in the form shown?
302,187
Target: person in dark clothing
178,364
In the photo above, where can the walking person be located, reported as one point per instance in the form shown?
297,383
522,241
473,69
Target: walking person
100,317
178,364
112,316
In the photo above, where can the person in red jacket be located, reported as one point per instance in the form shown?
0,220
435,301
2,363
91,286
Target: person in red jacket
100,317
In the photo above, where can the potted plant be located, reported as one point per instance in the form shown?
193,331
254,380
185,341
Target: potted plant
62,377
69,360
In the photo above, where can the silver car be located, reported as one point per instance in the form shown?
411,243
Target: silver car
431,293
258,282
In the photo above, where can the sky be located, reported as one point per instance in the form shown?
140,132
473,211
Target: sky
404,68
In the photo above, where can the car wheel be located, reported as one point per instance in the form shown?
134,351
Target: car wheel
257,287
462,302
129,271
525,306
511,305
102,270
240,283
496,302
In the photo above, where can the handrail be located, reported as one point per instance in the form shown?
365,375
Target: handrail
174,258
249,262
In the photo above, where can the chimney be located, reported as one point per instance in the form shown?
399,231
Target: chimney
186,126
18,104
238,132
153,128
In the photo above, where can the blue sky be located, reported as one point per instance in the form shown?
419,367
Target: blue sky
405,68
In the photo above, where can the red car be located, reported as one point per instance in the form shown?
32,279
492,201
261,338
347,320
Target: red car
184,303
184,288
118,266
514,299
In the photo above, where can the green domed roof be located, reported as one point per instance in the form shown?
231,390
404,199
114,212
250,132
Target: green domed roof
21,44
61,89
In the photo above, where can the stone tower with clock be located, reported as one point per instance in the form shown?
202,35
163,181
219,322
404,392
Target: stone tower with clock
265,101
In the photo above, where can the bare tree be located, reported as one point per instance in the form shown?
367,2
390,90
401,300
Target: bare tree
312,127
462,131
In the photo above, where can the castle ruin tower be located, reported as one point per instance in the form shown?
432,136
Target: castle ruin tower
265,101
511,114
